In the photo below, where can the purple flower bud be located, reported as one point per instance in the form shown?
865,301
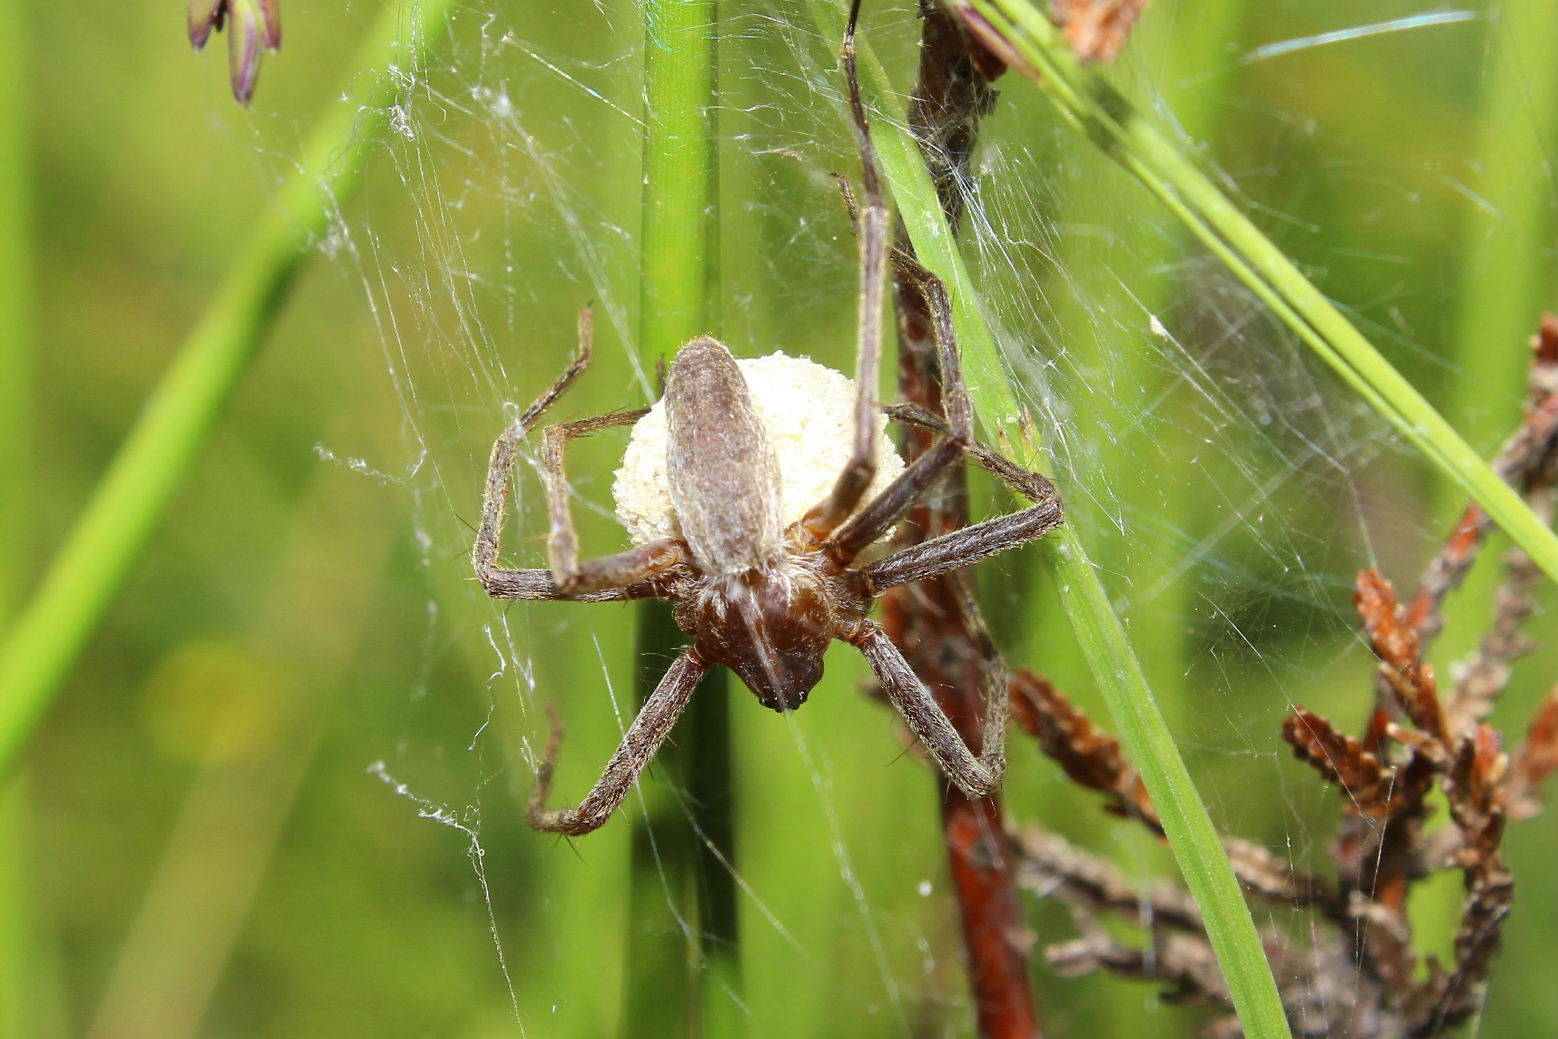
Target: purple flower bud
204,15
253,26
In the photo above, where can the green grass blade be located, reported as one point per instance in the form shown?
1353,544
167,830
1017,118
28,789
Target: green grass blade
1107,118
679,256
679,298
21,965
1193,79
16,286
1110,657
97,555
915,197
1192,837
16,309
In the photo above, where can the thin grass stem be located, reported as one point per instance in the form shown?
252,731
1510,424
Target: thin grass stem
679,290
1142,730
21,966
1087,100
1184,45
91,565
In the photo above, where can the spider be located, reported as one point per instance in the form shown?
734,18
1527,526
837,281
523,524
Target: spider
760,597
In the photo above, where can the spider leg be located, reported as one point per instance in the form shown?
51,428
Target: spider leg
873,233
868,525
638,748
574,576
975,775
540,584
960,409
622,576
494,506
975,542
962,547
879,515
972,543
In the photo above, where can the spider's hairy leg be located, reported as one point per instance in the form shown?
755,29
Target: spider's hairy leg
976,776
494,506
574,576
879,515
873,227
960,547
970,544
622,578
638,748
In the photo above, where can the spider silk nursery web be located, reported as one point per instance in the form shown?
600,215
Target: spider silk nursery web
1227,487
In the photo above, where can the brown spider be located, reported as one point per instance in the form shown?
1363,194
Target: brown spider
761,598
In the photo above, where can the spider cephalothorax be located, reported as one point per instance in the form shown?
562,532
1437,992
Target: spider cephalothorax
769,626
761,591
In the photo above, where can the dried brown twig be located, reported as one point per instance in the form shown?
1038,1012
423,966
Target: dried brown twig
1536,759
1521,454
1355,970
1090,756
1341,760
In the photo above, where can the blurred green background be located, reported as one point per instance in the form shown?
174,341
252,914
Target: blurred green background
202,839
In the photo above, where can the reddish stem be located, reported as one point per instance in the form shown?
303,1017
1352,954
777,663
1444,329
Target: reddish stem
932,621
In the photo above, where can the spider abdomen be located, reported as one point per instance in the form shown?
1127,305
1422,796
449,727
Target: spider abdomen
723,477
807,411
